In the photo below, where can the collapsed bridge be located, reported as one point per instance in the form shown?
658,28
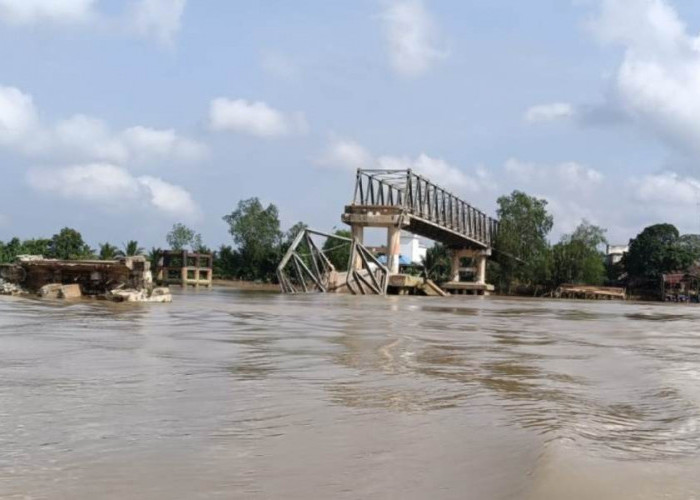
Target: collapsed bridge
400,200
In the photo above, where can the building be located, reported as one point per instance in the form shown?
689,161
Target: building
614,253
413,250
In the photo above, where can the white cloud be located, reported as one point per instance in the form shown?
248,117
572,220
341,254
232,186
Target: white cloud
109,185
18,116
549,112
412,37
435,169
158,19
145,142
658,80
26,12
667,188
85,138
570,176
347,154
254,118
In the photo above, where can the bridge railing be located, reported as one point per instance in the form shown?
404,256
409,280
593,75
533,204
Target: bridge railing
419,197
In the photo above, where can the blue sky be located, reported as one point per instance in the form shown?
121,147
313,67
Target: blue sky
120,118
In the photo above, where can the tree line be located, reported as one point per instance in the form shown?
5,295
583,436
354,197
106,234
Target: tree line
524,260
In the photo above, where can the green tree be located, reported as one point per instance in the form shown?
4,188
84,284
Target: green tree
521,244
132,248
154,256
658,249
36,246
68,244
181,236
577,258
437,263
108,251
226,262
257,236
337,251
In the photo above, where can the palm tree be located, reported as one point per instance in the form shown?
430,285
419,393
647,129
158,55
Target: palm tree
132,248
436,263
108,252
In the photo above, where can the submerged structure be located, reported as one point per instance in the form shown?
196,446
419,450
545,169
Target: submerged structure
126,279
307,267
184,268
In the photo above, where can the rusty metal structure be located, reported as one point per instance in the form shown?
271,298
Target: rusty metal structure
401,200
306,268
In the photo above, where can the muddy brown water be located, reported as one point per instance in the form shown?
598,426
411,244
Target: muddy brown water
239,394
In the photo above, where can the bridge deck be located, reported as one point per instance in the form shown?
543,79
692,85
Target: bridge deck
403,198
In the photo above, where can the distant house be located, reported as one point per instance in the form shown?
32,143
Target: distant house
614,253
680,287
413,249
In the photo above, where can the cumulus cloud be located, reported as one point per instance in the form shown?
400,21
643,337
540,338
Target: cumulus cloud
349,155
27,12
83,137
549,112
657,82
113,186
567,175
18,116
253,118
346,154
412,37
668,188
158,19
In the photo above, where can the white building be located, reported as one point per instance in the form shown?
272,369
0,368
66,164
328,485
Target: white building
614,253
412,248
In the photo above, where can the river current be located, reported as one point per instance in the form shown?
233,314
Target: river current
235,394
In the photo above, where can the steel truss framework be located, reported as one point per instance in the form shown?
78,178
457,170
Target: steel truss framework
309,270
417,196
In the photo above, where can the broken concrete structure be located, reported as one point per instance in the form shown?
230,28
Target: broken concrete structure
69,279
180,267
402,200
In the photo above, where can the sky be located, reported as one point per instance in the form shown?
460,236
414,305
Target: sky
121,118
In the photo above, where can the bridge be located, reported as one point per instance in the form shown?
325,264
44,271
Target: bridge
403,200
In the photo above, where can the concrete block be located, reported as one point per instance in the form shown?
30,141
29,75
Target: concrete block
70,292
50,291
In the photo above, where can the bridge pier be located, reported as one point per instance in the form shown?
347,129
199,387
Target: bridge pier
358,234
479,285
393,248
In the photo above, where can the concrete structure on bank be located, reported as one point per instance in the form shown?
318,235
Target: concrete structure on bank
400,200
184,268
71,279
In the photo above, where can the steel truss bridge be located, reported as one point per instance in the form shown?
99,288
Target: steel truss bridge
415,204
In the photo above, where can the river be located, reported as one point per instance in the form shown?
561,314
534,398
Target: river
234,394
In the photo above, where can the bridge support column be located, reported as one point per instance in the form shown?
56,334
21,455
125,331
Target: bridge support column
393,248
358,234
454,271
481,268
478,285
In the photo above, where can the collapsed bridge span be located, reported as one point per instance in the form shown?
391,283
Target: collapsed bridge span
403,200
